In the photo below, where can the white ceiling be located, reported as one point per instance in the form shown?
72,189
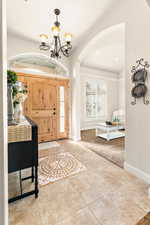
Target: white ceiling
33,17
108,51
29,19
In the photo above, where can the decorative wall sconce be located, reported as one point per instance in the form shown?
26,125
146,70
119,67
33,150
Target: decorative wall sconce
139,77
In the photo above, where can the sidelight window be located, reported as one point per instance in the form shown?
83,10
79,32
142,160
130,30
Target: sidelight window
62,108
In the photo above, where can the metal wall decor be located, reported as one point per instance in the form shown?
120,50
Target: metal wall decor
139,77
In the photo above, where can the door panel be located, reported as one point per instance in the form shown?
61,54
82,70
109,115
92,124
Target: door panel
43,95
43,109
46,132
38,98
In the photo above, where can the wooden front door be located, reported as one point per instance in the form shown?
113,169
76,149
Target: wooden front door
44,108
47,105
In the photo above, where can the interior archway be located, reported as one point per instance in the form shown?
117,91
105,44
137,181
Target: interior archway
97,37
102,64
76,74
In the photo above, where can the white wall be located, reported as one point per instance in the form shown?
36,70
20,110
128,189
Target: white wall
121,91
3,117
75,103
17,45
138,116
111,81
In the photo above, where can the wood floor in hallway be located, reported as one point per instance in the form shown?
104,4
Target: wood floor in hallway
112,150
103,194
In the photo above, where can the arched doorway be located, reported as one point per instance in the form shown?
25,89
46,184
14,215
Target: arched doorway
115,82
47,84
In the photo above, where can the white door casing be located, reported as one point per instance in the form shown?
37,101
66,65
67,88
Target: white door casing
3,116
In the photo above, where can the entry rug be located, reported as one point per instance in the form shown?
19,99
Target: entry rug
57,166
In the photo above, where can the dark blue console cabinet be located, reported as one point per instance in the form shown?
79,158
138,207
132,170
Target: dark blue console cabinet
23,155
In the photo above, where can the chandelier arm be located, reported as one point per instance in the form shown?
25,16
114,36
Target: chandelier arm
44,47
69,47
63,52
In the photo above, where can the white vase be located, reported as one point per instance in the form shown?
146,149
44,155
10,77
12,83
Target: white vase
10,105
18,113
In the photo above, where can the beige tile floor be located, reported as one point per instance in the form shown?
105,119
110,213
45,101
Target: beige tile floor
104,194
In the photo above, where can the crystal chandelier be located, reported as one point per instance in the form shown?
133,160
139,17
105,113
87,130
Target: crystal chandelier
56,47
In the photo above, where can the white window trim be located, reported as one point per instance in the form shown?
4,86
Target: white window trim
86,119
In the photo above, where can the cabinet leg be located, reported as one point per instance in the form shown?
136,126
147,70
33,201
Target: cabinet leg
32,172
20,178
36,182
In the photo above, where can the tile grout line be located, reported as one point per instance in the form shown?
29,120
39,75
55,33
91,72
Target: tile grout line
94,215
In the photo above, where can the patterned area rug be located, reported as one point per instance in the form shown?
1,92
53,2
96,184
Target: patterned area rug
145,220
58,165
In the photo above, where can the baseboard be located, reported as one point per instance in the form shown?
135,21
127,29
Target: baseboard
137,172
74,138
88,128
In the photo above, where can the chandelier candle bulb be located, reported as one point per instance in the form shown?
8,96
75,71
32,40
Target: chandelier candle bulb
68,37
44,38
55,31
